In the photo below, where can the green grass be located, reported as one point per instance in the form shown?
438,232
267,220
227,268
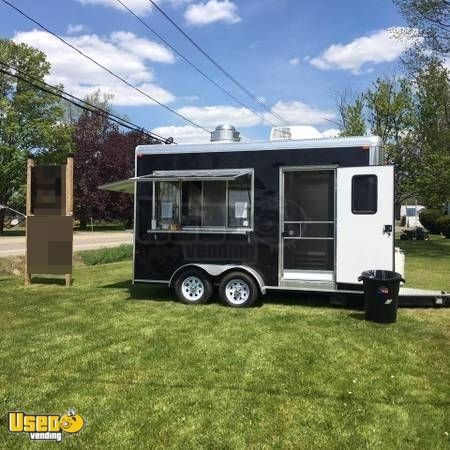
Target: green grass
148,372
427,263
13,232
106,255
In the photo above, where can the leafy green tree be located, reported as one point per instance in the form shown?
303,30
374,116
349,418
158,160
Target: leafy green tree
390,108
390,114
30,121
351,114
431,19
425,66
429,31
432,133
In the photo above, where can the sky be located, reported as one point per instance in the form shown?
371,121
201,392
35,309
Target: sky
294,56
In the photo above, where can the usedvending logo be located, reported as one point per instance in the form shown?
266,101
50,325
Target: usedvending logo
45,427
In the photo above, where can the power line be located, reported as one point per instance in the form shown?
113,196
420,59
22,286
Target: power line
213,61
6,2
188,61
51,90
73,102
102,112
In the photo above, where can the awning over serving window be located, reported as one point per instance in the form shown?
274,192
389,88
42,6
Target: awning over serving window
175,175
187,175
126,186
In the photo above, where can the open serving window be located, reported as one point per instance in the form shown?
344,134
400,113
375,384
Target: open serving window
197,200
202,200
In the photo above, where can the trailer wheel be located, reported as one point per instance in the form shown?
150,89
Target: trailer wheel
238,289
193,287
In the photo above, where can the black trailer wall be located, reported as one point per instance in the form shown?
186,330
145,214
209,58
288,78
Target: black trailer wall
158,255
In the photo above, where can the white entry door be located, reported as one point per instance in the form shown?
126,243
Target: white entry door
364,221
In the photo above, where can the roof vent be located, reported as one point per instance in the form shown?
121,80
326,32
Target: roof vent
294,132
225,133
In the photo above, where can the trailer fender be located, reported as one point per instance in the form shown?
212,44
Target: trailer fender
215,270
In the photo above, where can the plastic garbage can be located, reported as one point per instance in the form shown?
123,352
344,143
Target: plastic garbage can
381,294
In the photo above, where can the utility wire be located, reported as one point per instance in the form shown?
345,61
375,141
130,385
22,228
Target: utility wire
185,59
51,90
213,61
6,2
102,112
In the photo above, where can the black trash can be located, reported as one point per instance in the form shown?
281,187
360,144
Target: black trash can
381,295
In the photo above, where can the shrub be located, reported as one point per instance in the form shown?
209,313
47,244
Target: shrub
444,225
428,218
106,255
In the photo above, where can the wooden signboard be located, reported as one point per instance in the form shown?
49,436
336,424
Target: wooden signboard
48,190
49,244
49,226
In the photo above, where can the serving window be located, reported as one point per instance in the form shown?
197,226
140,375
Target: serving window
199,202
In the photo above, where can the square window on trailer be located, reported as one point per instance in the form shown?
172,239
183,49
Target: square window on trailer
364,194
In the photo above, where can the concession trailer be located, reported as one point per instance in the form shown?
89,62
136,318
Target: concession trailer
249,217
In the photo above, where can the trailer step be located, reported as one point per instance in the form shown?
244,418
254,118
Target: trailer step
308,285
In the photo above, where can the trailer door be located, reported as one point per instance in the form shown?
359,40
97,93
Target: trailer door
364,221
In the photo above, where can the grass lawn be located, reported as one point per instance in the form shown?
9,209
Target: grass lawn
427,263
147,372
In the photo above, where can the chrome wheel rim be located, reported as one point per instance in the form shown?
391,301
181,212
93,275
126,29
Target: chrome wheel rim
192,288
237,291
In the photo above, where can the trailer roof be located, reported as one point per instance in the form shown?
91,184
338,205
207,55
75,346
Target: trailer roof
359,141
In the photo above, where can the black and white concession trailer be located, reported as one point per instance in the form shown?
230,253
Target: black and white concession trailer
299,215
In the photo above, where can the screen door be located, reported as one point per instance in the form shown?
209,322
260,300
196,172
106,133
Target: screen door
307,225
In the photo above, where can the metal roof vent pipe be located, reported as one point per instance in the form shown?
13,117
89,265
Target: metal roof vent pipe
225,134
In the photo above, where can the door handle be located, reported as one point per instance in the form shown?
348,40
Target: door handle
387,229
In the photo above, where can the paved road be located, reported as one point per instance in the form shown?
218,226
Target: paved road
15,246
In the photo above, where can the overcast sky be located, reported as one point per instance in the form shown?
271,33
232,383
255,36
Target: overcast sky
294,55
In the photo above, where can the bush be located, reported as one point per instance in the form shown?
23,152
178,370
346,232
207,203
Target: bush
444,225
106,255
428,218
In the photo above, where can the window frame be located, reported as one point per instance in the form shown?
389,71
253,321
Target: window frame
360,212
206,229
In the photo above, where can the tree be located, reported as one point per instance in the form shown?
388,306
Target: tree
30,122
351,114
390,111
429,31
103,154
432,133
425,65
431,18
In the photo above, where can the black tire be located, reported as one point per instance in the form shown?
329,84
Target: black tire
193,287
244,286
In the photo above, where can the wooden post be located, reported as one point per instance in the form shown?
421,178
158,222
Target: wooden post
69,201
30,164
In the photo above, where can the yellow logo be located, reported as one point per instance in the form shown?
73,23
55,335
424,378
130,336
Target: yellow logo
45,427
